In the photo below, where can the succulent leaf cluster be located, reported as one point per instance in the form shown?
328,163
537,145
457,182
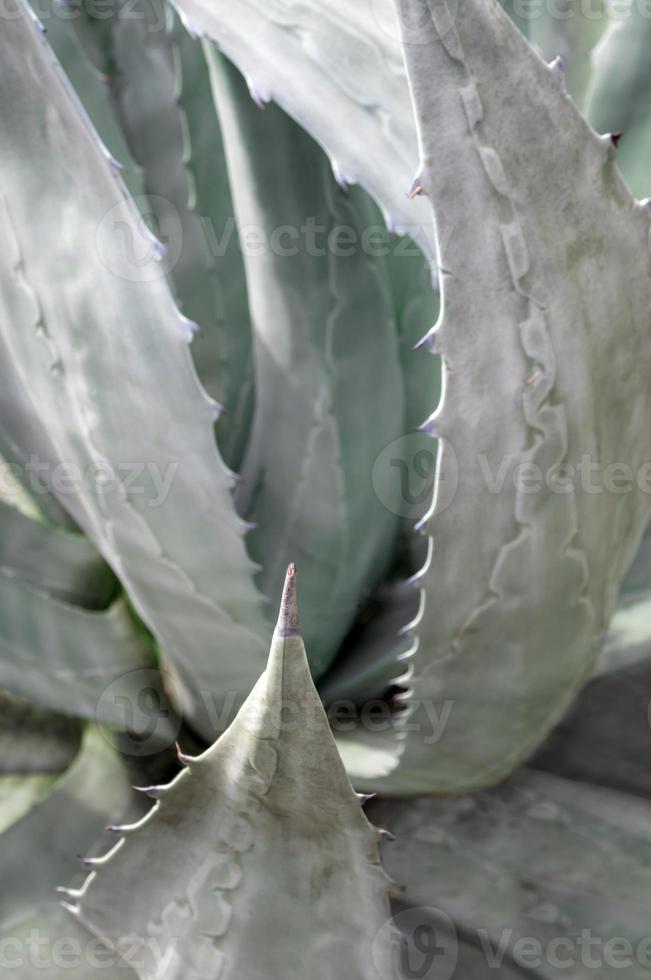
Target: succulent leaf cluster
364,287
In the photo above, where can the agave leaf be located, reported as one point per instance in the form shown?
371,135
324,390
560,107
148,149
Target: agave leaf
569,30
431,947
145,91
86,663
13,494
619,97
518,13
417,309
605,738
539,859
33,740
367,664
94,791
337,69
211,200
40,849
628,640
93,34
20,485
111,389
261,836
61,20
161,91
537,236
329,386
49,940
53,560
19,793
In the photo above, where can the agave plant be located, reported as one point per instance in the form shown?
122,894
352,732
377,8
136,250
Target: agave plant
365,288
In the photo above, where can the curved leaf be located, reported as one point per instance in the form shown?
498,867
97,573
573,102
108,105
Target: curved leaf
13,494
619,97
569,30
96,354
161,91
62,564
336,69
368,662
40,849
329,388
77,661
417,309
33,740
211,200
92,792
605,738
537,236
628,640
19,793
65,23
541,874
20,484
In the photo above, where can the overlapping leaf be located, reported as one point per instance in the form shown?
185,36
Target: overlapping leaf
33,740
161,96
338,70
542,876
41,849
61,563
619,97
97,376
537,236
86,663
329,388
568,30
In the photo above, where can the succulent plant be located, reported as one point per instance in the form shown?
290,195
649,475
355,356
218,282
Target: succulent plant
365,288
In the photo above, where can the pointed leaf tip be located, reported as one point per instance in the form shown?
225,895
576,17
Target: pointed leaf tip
288,624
